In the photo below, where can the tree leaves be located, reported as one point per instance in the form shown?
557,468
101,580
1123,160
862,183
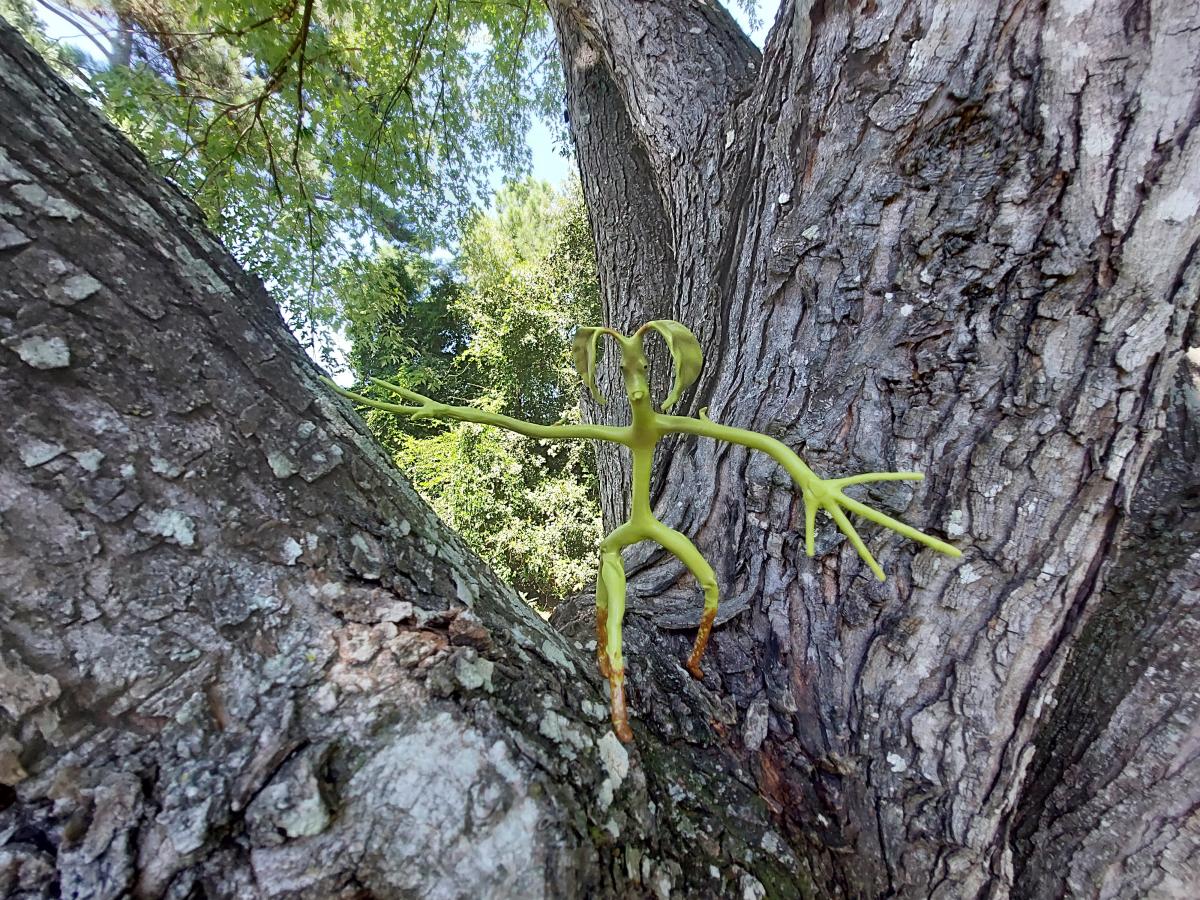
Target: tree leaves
310,133
496,338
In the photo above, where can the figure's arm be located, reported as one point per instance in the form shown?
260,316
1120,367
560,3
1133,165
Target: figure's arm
430,409
818,493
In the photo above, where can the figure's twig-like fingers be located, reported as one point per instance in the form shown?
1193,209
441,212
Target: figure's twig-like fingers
402,391
848,530
869,477
810,522
899,527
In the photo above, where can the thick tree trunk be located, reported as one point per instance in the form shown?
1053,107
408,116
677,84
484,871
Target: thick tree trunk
953,237
238,655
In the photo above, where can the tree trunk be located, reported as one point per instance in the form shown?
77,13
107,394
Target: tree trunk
958,238
239,656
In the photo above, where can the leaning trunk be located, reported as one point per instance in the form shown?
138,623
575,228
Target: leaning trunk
957,238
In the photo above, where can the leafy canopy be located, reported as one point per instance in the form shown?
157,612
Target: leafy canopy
311,133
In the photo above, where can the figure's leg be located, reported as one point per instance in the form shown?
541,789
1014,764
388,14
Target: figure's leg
602,620
687,553
610,615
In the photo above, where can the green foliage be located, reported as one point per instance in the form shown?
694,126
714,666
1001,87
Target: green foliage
531,270
310,133
530,512
497,339
331,147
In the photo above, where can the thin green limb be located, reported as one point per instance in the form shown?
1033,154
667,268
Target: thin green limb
848,530
402,391
685,551
374,404
869,477
810,522
432,410
908,531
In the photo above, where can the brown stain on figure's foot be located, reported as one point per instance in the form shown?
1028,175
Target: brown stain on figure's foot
706,624
620,716
602,643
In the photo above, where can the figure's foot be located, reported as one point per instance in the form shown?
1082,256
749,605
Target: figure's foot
620,715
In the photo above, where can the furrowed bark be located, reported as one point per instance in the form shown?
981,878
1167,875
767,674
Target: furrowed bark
1109,800
238,655
962,240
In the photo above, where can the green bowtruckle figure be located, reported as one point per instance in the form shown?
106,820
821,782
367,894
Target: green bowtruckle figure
641,436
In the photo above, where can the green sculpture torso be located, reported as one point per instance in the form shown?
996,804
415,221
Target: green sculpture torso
641,436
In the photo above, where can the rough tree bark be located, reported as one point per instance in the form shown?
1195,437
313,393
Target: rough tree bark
956,237
238,655
952,237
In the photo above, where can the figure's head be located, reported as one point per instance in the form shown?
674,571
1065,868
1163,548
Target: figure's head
685,351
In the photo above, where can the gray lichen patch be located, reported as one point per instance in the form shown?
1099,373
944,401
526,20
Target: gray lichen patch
567,736
11,770
615,759
554,654
35,453
73,289
11,236
366,556
311,454
291,551
171,524
41,201
165,467
89,460
474,672
10,171
23,690
281,464
43,352
292,804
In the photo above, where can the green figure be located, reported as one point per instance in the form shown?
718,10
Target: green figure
641,436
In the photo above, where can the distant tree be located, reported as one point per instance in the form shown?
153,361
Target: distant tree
499,337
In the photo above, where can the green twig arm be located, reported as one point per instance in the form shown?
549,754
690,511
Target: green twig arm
818,493
430,409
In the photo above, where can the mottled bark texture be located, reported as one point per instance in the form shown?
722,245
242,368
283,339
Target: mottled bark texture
238,656
953,237
241,658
